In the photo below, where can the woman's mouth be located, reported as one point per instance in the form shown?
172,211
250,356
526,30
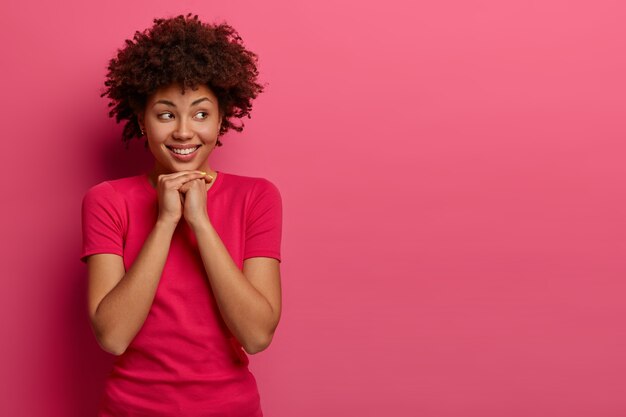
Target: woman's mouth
184,154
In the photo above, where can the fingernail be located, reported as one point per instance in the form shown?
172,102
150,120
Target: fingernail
203,173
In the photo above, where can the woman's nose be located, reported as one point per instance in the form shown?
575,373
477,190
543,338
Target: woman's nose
183,130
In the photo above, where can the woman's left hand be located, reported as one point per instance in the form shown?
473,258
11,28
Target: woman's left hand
194,194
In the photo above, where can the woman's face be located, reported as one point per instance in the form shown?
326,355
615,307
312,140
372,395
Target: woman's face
183,121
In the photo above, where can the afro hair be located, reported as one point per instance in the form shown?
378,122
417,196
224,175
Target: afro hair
188,52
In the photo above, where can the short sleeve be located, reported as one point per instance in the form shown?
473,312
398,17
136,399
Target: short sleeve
264,222
102,221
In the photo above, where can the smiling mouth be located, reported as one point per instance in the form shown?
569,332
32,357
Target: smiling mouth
183,151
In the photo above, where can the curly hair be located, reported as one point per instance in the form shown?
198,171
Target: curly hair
186,51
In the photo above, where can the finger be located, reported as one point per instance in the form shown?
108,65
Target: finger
185,187
174,175
178,181
179,174
208,178
190,184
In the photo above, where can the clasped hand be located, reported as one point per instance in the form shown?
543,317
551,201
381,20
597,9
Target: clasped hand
184,194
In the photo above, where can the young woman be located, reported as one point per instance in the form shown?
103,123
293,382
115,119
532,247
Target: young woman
183,261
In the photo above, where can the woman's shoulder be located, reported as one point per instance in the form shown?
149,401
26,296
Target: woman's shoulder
251,183
258,193
118,186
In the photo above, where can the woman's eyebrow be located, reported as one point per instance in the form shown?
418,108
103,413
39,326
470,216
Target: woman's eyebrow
169,103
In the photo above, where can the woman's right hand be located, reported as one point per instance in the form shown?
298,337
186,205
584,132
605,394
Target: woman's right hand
170,198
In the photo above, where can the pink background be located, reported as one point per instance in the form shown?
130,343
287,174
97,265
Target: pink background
452,175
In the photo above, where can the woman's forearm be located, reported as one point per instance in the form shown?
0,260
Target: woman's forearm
122,312
246,312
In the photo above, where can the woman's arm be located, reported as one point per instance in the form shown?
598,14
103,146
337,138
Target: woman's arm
119,307
249,301
120,301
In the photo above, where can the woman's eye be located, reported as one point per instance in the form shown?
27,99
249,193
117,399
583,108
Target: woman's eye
205,114
163,116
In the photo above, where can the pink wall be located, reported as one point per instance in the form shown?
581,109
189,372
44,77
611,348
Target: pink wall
453,183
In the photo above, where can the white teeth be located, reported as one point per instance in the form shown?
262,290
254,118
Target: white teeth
184,151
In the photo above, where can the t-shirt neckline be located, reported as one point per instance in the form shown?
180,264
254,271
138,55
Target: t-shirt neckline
145,180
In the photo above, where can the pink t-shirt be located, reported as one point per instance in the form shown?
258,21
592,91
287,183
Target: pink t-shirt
183,361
